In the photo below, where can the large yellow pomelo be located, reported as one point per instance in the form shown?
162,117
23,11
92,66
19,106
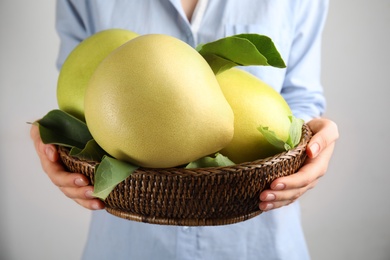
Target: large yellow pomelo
254,103
155,102
80,65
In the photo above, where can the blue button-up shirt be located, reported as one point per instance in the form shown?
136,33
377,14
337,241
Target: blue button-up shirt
295,26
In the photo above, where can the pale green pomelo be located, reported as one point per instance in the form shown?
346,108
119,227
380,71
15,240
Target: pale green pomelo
155,102
80,65
254,104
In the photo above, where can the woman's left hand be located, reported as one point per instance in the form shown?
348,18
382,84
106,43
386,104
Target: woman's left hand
285,190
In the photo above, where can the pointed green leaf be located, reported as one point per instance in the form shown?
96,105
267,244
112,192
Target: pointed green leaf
91,152
218,64
222,160
109,173
266,47
238,50
271,137
61,128
218,161
295,131
241,50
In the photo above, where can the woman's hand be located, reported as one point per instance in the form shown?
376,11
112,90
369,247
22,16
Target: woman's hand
286,190
73,185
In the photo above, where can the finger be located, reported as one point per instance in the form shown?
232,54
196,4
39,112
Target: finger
311,171
35,136
78,192
62,178
285,190
274,200
92,204
34,132
266,206
308,174
325,133
73,185
50,152
83,196
47,151
285,195
66,179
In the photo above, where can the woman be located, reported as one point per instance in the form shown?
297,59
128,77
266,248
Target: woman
295,27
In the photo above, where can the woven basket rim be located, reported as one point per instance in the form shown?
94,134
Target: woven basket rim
141,197
305,138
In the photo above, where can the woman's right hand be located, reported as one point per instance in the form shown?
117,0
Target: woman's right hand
73,185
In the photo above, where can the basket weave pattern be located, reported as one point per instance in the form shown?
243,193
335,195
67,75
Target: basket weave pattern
195,197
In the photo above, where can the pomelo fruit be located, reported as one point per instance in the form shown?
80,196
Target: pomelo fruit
80,65
254,103
155,102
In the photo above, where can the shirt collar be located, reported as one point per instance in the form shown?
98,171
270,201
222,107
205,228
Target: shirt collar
197,16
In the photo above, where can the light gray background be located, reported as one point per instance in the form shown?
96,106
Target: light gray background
345,217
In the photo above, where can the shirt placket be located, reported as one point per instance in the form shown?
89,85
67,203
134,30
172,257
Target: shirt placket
187,243
191,30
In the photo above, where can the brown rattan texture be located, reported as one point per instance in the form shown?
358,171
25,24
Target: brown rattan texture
195,197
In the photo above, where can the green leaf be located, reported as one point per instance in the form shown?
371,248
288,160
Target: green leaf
266,47
295,131
59,127
91,152
271,137
218,161
217,63
241,50
109,173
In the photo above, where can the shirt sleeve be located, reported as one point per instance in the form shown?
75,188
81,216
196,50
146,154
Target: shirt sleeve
302,86
70,27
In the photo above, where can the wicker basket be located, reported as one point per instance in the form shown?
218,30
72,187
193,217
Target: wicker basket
195,197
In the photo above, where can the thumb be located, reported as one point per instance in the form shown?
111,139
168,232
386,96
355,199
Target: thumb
51,152
325,132
314,148
48,150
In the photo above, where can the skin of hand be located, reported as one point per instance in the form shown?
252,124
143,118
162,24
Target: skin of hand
282,192
286,190
73,185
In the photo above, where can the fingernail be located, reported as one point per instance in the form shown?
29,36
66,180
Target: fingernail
314,149
49,153
80,182
269,206
279,186
89,194
95,206
270,197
